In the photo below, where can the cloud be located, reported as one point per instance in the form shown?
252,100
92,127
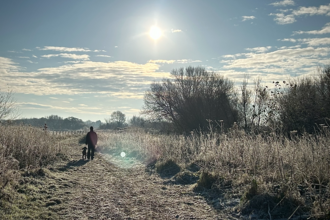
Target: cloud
280,18
103,56
289,18
13,51
259,49
65,49
316,41
120,79
7,65
282,60
228,56
176,30
100,51
22,57
324,30
76,109
162,61
53,98
26,49
322,10
188,61
283,3
245,18
73,61
288,40
175,61
34,56
308,41
68,55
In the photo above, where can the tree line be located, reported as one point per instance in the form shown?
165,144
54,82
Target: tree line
55,122
197,100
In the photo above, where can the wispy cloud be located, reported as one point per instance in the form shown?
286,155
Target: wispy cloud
162,61
288,40
34,56
245,18
176,30
26,49
78,110
103,56
309,41
13,51
65,49
324,30
283,3
68,55
7,66
321,10
228,56
175,61
100,51
259,49
282,18
283,60
73,61
188,61
22,57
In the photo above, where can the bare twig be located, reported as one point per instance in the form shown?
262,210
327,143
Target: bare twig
294,212
278,204
270,216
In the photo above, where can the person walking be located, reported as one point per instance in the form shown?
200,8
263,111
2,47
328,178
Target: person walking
91,141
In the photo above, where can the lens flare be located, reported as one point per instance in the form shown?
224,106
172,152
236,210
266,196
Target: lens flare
122,154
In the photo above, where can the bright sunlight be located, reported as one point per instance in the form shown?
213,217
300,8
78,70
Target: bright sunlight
155,32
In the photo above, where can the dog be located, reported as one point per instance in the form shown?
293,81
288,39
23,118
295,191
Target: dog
84,152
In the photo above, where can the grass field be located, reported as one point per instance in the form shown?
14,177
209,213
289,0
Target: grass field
281,173
274,176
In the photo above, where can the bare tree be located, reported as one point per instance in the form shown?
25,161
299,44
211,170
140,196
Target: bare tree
8,107
260,105
245,101
192,99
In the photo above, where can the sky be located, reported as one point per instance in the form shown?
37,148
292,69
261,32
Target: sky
87,59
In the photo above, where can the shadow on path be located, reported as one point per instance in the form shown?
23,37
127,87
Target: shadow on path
73,163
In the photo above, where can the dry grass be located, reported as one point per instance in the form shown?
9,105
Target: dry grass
272,174
29,146
24,150
297,170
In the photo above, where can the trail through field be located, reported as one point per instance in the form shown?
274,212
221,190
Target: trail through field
110,187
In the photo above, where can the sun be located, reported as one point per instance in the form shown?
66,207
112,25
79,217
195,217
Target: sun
155,32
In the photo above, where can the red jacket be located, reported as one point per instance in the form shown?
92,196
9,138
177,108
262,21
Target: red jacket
91,138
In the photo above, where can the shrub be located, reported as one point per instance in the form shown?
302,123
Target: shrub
167,168
206,180
306,103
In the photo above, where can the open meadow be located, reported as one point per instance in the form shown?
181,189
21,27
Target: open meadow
199,176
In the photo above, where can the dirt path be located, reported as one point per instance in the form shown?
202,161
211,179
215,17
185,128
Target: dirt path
100,189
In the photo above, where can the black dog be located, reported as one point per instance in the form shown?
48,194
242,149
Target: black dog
84,152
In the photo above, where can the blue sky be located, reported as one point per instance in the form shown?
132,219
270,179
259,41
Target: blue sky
89,58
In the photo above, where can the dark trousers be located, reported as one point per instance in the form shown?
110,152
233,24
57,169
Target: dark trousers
90,153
